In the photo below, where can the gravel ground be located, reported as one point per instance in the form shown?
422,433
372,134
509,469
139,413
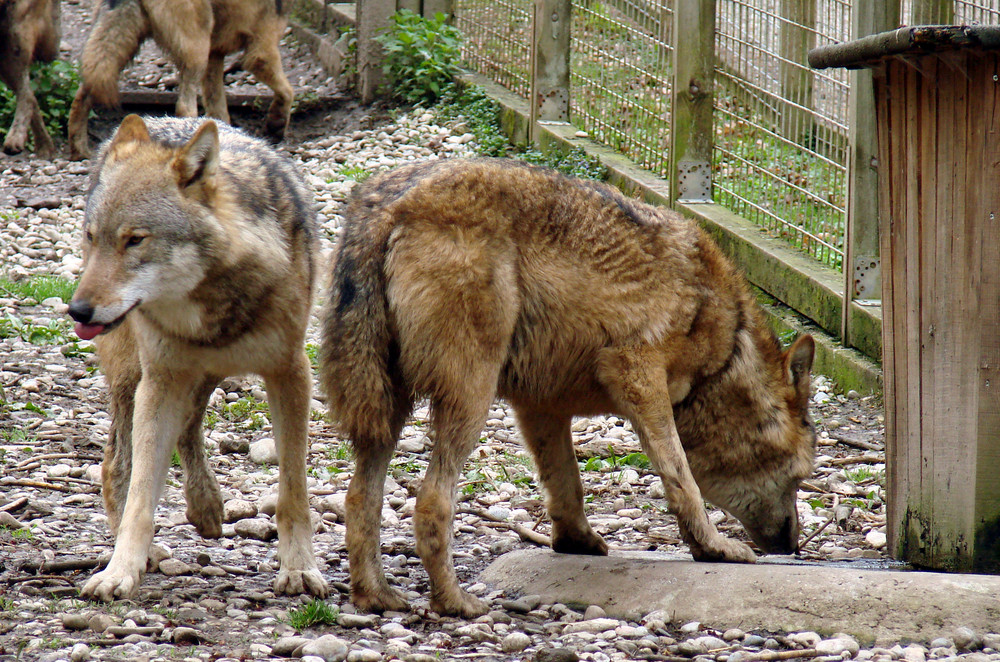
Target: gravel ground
205,600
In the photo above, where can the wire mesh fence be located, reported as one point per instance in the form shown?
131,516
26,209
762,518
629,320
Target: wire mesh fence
620,57
781,129
498,40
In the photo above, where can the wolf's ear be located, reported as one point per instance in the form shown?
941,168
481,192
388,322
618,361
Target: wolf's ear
198,160
132,130
798,364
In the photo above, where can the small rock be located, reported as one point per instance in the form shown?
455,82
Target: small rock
263,451
237,509
100,622
733,634
942,642
805,639
79,653
186,636
556,655
876,539
966,640
174,568
991,640
229,445
594,611
594,625
691,628
364,655
328,647
357,620
754,640
914,653
256,528
838,645
75,622
515,642
286,646
269,504
711,643
691,648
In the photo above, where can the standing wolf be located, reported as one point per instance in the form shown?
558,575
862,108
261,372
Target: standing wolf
196,35
29,32
198,264
464,280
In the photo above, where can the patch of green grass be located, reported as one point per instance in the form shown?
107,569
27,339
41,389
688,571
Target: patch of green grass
52,332
312,351
22,534
864,473
341,451
175,459
6,604
39,288
247,413
354,172
314,612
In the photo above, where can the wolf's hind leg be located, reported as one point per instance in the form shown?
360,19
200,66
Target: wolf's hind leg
288,393
636,379
550,441
370,591
457,422
201,490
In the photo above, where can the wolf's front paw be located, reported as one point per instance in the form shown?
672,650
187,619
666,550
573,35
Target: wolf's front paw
726,550
459,603
382,598
112,583
206,515
295,582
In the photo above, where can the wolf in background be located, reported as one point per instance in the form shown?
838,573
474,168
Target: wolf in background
464,280
198,264
196,35
29,32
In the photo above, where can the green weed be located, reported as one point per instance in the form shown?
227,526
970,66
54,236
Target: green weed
247,413
52,332
314,612
422,55
354,172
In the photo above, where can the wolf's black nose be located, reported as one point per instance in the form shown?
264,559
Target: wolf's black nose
81,311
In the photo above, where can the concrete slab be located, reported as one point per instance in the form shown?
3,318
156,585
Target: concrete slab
875,606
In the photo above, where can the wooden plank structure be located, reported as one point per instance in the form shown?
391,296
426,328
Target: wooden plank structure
937,103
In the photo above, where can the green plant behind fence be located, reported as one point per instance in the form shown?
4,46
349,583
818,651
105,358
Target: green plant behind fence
421,55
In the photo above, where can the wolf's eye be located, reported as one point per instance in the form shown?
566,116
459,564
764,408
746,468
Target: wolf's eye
134,240
89,236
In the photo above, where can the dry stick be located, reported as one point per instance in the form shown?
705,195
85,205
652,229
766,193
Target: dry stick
53,456
856,459
64,566
773,656
14,505
815,533
41,485
525,534
857,443
31,578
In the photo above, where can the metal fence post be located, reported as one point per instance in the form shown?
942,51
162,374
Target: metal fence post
550,62
372,16
693,99
862,264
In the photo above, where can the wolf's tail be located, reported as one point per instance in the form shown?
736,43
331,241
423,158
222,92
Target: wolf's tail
120,27
359,355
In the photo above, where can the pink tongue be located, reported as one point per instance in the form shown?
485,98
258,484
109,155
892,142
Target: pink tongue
88,331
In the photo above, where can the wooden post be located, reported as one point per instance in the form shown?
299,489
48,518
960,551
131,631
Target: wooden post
550,62
862,266
797,36
933,12
693,99
372,16
432,7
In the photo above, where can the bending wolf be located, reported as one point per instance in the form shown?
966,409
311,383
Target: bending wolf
198,264
462,281
196,35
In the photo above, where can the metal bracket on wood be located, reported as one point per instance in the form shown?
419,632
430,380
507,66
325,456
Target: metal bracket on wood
867,277
694,181
553,105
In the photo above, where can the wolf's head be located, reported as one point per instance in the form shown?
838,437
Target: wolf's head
752,441
145,238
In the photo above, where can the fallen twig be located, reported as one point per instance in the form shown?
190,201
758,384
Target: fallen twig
848,440
14,505
88,563
526,534
47,486
856,459
773,656
813,535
